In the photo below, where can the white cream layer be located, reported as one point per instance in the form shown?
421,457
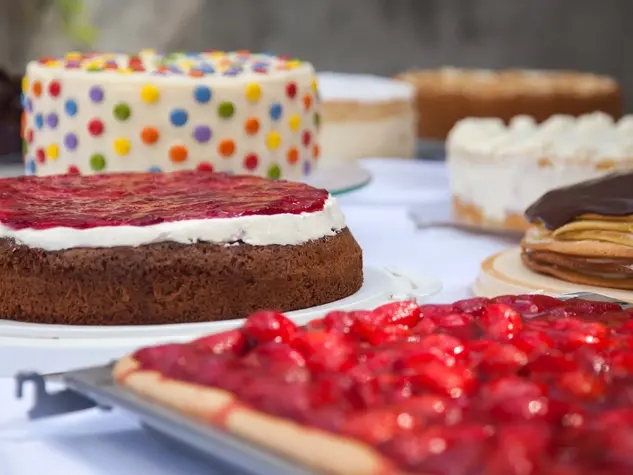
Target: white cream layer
281,229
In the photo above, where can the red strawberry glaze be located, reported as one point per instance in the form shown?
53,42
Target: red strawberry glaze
141,199
523,392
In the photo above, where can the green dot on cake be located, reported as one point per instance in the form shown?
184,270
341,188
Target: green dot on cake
97,162
122,111
274,172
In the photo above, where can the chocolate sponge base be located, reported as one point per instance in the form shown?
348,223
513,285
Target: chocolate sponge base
174,283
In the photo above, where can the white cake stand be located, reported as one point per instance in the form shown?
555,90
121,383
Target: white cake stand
55,348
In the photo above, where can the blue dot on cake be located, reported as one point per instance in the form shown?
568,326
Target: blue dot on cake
275,111
178,117
202,94
71,107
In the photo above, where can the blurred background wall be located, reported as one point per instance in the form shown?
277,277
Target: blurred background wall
378,36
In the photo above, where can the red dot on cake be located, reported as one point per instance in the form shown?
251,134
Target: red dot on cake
73,170
306,138
204,167
41,156
251,161
95,127
291,90
29,135
54,88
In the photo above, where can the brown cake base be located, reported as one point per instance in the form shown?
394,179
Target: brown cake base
174,283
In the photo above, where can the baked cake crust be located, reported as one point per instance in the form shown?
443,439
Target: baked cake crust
305,445
174,283
444,96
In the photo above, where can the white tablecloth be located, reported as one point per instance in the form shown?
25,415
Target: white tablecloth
96,443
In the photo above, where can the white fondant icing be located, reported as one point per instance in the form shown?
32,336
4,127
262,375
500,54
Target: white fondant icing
288,140
282,229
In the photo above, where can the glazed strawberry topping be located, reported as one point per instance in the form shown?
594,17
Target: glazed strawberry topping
141,199
516,385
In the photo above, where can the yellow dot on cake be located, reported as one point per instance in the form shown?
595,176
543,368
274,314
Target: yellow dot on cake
52,152
122,146
253,92
294,122
273,140
150,93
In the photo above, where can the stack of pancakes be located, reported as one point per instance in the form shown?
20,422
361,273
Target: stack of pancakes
591,250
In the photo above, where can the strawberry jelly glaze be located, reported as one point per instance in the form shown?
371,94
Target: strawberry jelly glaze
142,199
517,385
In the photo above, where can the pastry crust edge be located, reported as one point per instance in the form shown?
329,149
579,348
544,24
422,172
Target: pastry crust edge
307,446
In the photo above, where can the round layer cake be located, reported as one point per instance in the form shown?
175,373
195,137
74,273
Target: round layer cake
234,112
497,171
447,95
152,248
366,116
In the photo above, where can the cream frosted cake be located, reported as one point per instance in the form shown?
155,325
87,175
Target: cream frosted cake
236,112
496,171
366,116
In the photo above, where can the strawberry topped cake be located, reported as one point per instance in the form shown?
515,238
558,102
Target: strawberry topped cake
235,112
151,248
516,385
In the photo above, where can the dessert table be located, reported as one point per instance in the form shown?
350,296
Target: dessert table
94,442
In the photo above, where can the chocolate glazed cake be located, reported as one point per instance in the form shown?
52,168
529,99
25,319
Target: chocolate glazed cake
584,233
147,248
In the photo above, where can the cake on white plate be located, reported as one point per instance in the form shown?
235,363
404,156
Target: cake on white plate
496,171
365,116
237,112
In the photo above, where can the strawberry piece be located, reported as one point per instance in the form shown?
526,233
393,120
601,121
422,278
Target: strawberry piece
376,426
454,382
500,359
436,312
431,409
589,307
581,384
501,321
474,306
522,450
338,321
325,351
265,326
533,342
229,342
399,313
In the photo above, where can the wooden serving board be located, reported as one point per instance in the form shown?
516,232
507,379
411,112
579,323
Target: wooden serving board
504,273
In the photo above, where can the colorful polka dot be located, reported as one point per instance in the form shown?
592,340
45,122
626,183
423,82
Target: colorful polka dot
52,120
274,172
122,111
25,147
37,89
54,88
178,153
292,155
122,146
149,135
226,148
28,105
307,101
226,110
204,167
70,141
291,90
178,117
202,133
273,140
275,111
251,161
71,107
253,92
154,169
316,151
202,94
73,170
307,168
96,94
315,86
52,152
150,93
25,84
28,135
39,121
251,126
95,127
294,122
317,119
30,167
41,155
306,138
97,162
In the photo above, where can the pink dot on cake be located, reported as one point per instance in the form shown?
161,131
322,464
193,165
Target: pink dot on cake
133,111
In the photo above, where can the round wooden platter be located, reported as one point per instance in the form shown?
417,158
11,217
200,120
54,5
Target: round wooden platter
504,273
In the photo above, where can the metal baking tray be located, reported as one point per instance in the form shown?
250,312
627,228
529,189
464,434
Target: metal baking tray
95,387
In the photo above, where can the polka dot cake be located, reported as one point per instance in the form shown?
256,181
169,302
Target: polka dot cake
235,112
